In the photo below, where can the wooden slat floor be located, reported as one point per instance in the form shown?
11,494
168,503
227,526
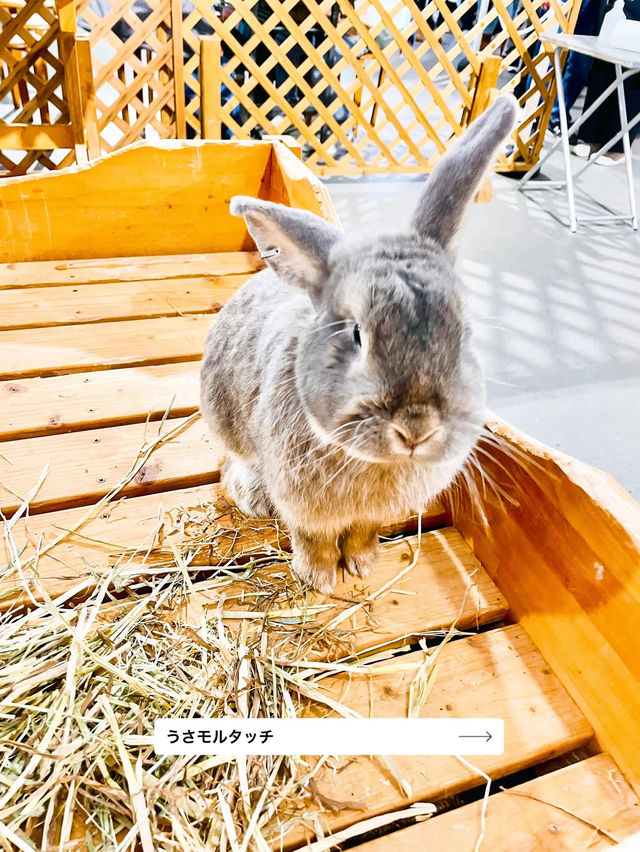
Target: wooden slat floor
97,358
558,812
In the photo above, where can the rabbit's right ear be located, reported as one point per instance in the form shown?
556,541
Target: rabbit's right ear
457,176
295,243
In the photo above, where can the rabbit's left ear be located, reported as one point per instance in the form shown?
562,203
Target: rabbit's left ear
456,177
295,243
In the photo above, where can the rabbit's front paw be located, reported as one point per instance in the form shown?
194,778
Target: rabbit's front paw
359,550
315,559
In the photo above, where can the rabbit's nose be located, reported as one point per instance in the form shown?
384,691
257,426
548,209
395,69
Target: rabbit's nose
409,439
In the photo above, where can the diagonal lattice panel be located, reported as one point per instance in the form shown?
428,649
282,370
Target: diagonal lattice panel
137,83
374,86
32,78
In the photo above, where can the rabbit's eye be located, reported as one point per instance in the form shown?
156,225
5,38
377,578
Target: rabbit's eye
356,335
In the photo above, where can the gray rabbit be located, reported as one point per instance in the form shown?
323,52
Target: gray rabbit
342,380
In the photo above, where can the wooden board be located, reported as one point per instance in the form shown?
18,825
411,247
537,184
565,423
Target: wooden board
148,199
447,586
131,524
73,348
593,789
290,183
76,401
565,555
84,466
497,673
48,273
32,307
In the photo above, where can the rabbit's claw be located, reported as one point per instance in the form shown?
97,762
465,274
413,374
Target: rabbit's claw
360,564
359,550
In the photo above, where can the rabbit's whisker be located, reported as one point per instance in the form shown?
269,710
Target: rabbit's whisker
330,437
348,461
511,450
329,325
340,331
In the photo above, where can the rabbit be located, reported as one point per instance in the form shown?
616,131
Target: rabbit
342,379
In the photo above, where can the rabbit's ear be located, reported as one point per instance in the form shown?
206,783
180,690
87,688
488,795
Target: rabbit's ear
455,179
295,243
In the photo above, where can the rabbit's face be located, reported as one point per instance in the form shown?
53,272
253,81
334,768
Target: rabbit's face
387,369
385,366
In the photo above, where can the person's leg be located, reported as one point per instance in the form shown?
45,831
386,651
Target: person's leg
576,75
578,67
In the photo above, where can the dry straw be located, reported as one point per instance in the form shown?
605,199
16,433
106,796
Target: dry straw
84,675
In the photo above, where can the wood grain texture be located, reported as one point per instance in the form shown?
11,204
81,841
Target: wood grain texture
33,307
566,555
76,348
157,210
217,536
447,586
291,183
84,466
68,403
593,789
47,273
497,673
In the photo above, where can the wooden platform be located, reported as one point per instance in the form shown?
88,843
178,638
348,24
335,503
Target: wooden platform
81,405
101,439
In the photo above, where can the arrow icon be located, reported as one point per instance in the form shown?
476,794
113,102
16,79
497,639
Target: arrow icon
486,736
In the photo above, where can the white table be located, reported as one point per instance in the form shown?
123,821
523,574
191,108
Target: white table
620,59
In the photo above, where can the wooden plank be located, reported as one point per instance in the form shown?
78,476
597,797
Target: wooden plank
131,523
290,183
76,348
138,201
84,466
31,307
593,789
32,407
497,673
210,55
566,556
101,270
447,586
35,137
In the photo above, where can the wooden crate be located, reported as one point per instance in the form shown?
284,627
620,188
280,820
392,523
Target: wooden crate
110,276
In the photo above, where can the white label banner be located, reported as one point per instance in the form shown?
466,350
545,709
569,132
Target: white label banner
229,736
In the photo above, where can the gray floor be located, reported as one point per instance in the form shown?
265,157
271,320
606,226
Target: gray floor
557,315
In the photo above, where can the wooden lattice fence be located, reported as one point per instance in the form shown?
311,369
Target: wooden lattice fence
375,87
137,59
367,86
45,75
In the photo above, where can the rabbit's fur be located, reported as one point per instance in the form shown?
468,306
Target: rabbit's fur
343,379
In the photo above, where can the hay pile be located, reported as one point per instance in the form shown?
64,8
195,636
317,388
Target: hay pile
81,682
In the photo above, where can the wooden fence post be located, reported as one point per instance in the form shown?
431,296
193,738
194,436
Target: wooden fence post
487,79
210,82
485,85
88,98
177,48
